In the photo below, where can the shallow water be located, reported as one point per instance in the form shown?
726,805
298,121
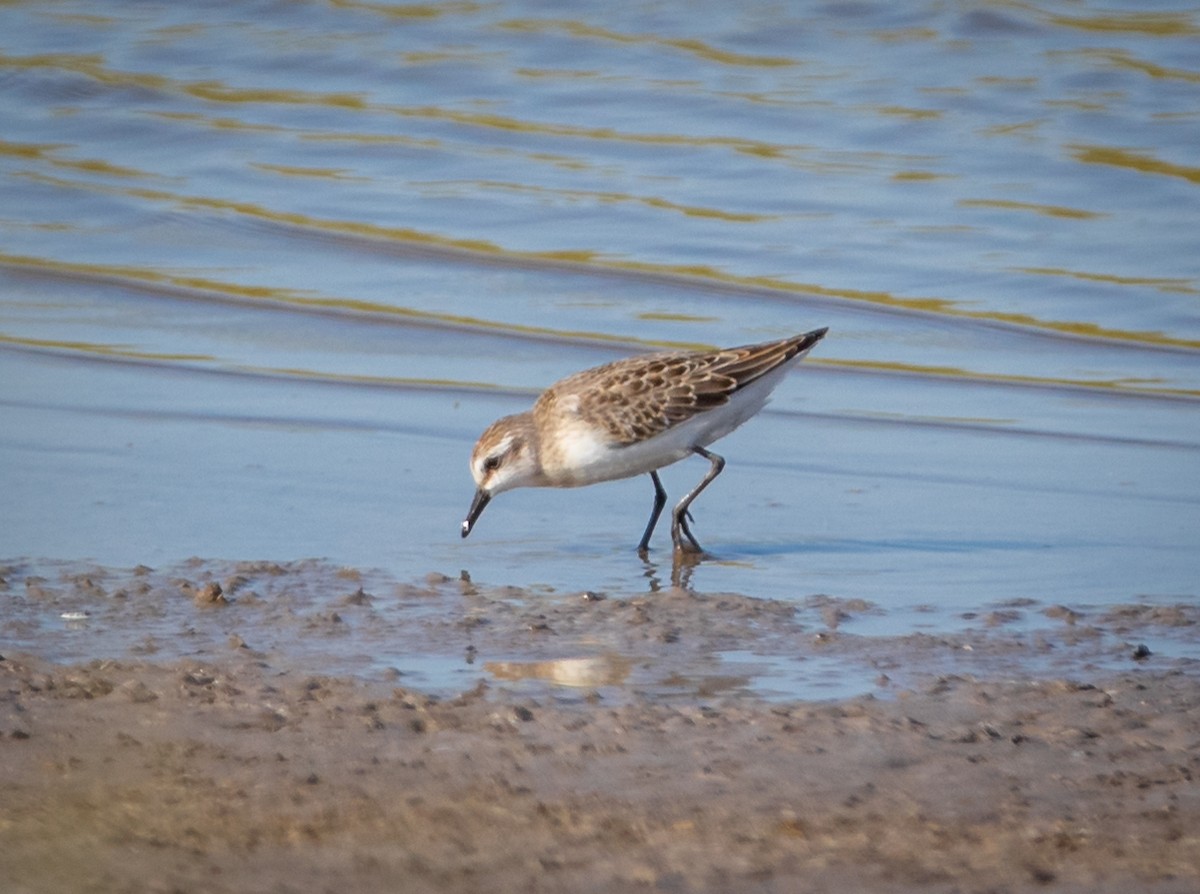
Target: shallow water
266,271
442,636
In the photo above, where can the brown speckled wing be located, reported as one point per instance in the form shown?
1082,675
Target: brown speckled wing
639,397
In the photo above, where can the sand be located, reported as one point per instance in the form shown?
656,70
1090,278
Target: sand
242,770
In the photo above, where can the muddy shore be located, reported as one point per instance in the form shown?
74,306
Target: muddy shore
207,761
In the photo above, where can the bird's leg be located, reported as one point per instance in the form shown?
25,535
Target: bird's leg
660,500
680,514
692,546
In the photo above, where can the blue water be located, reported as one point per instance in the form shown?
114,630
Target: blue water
267,270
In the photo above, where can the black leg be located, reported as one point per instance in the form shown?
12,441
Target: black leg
680,514
660,500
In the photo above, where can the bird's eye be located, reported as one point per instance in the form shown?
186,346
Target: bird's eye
491,464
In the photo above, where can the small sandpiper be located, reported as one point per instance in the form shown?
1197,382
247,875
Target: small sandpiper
631,417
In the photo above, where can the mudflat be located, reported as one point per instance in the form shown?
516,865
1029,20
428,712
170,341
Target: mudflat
240,769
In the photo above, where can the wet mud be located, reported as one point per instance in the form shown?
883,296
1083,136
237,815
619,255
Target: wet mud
241,734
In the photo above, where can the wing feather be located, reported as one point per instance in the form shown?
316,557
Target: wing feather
639,397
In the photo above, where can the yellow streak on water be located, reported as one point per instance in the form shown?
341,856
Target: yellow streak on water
618,198
1156,24
1015,128
1125,60
111,351
29,150
366,139
676,318
214,91
608,134
1147,164
688,45
920,175
565,73
320,173
93,66
388,381
1048,210
45,152
218,123
1163,284
115,352
907,112
1124,386
411,10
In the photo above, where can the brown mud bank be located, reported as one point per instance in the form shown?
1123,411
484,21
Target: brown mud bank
194,762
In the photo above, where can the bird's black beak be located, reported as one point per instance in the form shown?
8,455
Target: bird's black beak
482,498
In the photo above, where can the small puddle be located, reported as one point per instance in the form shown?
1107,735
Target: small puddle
446,636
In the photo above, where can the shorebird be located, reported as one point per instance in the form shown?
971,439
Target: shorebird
632,417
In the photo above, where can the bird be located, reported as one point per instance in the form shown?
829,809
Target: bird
631,417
